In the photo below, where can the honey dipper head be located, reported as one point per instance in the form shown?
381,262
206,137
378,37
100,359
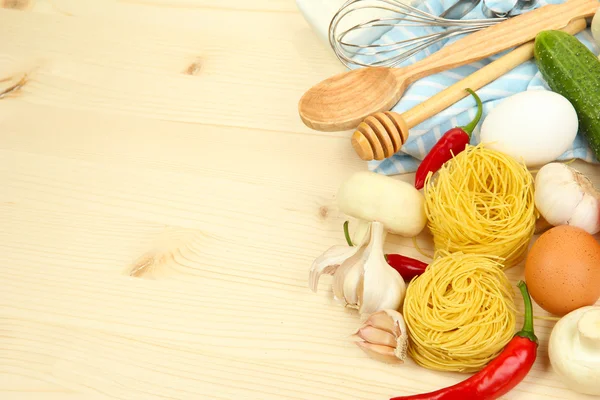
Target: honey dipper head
380,136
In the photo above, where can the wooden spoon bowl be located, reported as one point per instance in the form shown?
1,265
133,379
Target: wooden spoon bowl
349,94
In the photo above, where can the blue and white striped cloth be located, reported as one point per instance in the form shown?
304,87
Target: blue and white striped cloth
423,136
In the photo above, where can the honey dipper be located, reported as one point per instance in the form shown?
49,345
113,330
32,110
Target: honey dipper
382,134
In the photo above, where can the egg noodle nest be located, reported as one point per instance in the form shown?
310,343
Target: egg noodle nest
482,202
460,313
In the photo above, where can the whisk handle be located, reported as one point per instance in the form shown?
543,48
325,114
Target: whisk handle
497,38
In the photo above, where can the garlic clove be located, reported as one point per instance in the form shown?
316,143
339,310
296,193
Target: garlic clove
352,283
380,353
384,336
382,287
382,320
376,336
338,281
401,333
346,278
348,275
328,262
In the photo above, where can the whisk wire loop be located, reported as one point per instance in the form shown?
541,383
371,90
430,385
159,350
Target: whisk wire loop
393,53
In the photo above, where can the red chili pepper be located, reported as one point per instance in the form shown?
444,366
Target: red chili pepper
502,374
406,266
453,142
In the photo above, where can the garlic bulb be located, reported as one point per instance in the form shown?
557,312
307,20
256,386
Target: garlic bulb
384,337
564,196
362,278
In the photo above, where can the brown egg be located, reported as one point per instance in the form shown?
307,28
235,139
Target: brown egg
562,270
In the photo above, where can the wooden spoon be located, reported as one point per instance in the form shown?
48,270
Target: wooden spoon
382,134
344,100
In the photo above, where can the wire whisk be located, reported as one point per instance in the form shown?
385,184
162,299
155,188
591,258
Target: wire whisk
356,45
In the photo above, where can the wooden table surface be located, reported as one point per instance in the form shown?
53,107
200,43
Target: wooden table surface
161,204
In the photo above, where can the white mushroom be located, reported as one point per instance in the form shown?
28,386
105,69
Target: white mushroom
362,277
369,196
574,350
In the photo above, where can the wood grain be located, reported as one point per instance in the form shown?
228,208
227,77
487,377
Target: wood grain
113,156
71,58
75,7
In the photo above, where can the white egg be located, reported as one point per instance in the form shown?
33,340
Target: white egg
535,126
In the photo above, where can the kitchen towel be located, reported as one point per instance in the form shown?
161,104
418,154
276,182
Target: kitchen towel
423,136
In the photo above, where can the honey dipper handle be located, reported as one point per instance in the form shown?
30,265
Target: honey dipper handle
497,38
477,80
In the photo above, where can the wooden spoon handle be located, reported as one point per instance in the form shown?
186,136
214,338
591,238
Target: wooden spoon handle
499,37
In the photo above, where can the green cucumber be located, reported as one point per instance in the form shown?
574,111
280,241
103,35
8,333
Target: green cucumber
573,71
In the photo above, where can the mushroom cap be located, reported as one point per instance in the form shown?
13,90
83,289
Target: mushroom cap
397,204
576,362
